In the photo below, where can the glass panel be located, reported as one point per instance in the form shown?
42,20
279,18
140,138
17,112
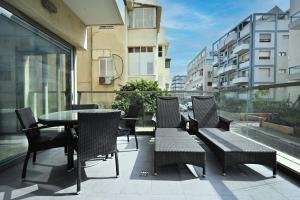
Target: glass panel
138,18
33,70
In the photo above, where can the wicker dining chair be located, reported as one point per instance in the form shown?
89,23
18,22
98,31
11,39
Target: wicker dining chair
97,135
128,122
206,115
38,140
84,106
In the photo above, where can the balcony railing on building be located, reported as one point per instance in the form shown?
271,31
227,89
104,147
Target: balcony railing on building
244,65
295,21
240,80
241,48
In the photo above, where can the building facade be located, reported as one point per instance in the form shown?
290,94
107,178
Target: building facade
199,72
178,83
255,52
146,43
120,53
294,41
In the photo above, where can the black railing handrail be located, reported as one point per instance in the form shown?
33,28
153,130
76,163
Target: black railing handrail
259,87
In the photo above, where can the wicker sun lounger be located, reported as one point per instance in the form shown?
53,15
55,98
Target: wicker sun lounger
173,144
232,149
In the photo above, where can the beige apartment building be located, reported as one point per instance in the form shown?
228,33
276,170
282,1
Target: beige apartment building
117,54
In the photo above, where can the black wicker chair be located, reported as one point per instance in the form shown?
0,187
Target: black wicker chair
38,140
84,106
168,114
97,135
173,145
205,115
128,122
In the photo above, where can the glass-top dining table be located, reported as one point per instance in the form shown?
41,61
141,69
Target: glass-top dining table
68,119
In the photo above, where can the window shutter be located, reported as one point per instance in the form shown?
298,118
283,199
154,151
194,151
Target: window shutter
102,67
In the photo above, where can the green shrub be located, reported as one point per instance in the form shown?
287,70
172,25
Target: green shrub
135,92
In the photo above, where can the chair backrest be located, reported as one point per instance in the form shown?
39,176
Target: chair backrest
205,111
97,134
133,112
167,112
27,120
84,106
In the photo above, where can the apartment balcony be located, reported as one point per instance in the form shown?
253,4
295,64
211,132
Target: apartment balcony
294,73
214,85
244,65
220,70
245,31
240,80
230,68
215,63
241,48
230,39
295,21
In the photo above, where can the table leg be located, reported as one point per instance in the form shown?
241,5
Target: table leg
70,150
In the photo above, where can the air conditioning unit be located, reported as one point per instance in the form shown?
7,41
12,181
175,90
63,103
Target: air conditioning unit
105,80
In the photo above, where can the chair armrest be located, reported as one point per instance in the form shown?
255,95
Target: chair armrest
224,123
25,130
193,125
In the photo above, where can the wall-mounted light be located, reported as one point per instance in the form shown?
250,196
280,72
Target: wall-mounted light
47,4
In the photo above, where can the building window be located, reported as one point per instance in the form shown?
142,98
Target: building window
209,74
201,72
105,67
160,51
264,55
265,72
209,83
285,36
167,86
282,53
141,61
282,71
265,37
142,18
168,63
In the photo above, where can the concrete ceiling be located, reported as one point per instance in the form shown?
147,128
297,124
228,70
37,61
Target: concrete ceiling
96,12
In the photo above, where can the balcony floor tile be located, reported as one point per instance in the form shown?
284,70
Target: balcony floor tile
48,179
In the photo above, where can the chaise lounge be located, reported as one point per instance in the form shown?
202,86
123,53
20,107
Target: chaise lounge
173,144
230,148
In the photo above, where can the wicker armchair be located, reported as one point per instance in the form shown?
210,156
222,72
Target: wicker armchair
38,140
97,135
84,106
205,115
128,122
167,113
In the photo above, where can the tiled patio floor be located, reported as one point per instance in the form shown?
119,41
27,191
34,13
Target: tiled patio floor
48,179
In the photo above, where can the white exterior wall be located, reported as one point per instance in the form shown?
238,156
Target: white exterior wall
194,79
294,44
295,6
282,61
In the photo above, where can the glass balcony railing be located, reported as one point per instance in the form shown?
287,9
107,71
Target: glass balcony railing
267,114
294,70
295,17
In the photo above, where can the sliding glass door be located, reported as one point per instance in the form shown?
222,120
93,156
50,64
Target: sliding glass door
35,71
